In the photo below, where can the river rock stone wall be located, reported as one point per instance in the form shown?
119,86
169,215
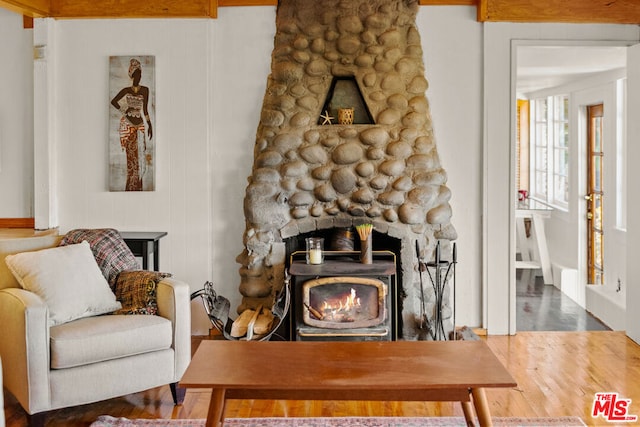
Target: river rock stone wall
308,176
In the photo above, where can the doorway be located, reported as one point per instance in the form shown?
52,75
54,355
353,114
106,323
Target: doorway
575,245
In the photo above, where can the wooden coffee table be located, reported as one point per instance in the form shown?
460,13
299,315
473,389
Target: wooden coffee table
388,371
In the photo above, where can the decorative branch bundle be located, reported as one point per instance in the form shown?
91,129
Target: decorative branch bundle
364,230
366,254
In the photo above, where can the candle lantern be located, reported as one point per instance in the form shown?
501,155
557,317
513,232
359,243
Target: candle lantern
315,250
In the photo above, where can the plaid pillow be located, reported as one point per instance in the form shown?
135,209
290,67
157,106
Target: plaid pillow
136,291
110,251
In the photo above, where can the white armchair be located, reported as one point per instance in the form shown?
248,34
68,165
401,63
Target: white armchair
89,359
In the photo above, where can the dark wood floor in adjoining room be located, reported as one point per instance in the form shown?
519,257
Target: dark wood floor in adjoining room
541,307
557,373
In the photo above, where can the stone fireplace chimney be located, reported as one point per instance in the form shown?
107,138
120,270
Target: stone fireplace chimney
312,173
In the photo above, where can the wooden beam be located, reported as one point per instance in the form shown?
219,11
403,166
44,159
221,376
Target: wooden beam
132,9
578,11
17,223
32,8
27,22
448,2
247,3
575,11
213,9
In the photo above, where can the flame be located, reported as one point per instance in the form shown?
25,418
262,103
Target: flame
338,307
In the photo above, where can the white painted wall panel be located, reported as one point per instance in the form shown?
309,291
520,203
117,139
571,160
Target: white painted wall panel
181,203
243,42
16,117
452,46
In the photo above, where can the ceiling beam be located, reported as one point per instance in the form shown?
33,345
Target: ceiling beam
574,11
133,9
222,3
578,11
32,8
448,2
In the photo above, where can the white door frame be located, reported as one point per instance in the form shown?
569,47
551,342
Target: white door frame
498,222
633,193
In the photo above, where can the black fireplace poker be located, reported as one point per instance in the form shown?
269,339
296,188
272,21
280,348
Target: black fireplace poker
424,321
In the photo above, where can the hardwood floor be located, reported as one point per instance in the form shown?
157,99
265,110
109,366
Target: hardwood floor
558,374
541,307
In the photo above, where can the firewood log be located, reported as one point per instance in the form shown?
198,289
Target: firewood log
253,322
264,322
240,325
314,312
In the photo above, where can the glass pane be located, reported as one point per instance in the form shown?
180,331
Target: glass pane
597,173
541,158
541,134
565,108
561,188
541,183
597,129
597,212
541,110
561,161
564,136
597,250
598,278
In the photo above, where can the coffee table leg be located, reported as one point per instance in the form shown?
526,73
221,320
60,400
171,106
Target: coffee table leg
215,418
482,406
469,414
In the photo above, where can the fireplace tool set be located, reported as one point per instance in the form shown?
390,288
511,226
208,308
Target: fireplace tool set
439,272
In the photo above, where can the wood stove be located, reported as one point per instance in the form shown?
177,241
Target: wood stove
342,299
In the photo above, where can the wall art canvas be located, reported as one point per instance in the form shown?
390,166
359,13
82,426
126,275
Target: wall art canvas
132,123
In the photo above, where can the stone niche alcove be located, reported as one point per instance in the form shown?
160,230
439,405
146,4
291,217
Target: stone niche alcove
345,93
309,178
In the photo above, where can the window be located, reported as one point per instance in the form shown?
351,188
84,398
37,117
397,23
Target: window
550,146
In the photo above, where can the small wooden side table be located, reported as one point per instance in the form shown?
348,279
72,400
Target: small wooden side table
143,243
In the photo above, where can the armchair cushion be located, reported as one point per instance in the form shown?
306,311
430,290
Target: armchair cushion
101,338
109,249
67,279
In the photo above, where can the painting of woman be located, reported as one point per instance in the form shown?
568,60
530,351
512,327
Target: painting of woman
134,131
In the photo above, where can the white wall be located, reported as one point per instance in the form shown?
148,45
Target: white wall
452,45
181,204
241,63
16,117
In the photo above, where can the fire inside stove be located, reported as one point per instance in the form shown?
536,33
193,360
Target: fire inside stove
343,302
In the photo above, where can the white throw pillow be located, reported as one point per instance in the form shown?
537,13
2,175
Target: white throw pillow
67,278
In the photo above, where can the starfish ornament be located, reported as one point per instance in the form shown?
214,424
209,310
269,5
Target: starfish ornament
327,118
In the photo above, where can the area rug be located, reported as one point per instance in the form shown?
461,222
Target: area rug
107,421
